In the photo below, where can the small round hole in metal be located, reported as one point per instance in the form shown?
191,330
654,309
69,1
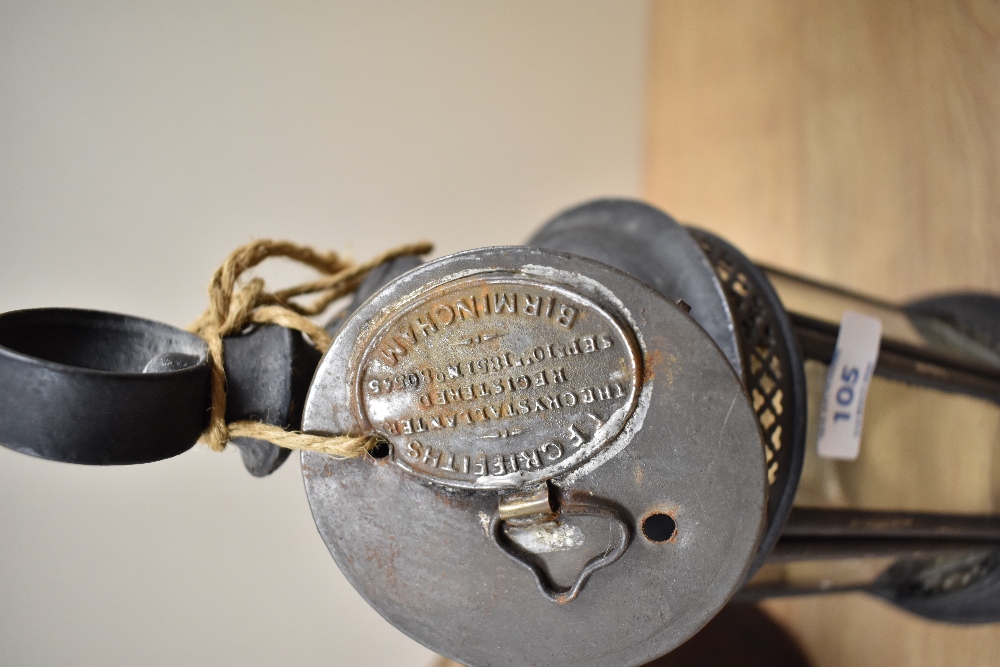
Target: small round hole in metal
380,450
659,527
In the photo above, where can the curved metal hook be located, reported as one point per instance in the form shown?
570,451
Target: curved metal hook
559,594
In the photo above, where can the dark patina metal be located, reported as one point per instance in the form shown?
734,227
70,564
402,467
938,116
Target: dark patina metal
268,372
106,389
773,373
99,388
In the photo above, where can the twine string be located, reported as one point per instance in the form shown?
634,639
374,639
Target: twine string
233,307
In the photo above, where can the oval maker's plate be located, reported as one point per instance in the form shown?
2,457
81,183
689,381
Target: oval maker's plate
496,380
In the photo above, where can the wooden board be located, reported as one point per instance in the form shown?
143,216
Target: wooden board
856,142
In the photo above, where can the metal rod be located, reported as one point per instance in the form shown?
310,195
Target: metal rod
799,549
833,289
760,592
812,522
904,363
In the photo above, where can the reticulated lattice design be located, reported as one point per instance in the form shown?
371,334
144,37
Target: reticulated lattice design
772,366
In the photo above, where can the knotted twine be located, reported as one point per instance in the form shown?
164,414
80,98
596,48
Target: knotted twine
234,307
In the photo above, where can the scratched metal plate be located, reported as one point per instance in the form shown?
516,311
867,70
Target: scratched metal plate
418,548
495,380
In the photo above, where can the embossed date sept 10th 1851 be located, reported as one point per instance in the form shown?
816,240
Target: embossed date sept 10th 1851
514,366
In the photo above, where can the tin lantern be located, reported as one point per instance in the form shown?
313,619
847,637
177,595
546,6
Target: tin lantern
588,444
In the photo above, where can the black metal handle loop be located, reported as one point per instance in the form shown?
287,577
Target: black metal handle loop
99,388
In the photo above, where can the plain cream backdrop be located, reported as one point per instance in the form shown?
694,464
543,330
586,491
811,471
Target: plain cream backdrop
139,143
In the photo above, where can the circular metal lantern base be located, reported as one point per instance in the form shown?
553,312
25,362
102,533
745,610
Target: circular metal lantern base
592,493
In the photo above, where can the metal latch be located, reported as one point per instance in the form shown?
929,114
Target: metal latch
527,524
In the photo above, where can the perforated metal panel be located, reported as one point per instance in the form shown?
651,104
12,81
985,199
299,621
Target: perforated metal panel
772,372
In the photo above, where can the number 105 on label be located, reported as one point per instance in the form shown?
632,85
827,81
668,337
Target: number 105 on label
851,370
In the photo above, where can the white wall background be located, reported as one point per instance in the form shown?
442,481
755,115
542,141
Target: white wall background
141,142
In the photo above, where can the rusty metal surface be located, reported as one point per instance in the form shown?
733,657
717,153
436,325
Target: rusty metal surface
423,553
495,380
